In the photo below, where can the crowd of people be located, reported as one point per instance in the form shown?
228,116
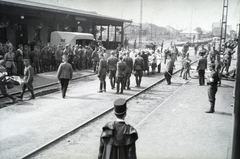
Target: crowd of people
44,58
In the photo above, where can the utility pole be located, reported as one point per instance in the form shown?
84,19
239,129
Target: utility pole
236,128
140,27
224,24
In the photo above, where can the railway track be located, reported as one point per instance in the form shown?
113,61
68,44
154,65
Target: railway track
81,126
48,88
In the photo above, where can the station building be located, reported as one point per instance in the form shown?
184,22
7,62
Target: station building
21,22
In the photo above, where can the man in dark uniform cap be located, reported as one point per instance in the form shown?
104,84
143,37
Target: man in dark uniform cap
129,68
118,139
120,74
112,67
138,68
212,90
169,69
201,67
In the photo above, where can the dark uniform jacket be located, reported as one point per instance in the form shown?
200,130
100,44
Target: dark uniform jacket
129,63
19,55
65,71
215,79
138,64
102,67
117,141
112,63
170,65
202,64
121,68
202,52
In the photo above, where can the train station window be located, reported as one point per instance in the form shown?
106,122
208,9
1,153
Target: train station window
104,30
111,33
118,33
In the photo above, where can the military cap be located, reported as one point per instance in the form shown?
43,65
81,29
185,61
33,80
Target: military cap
65,56
120,106
112,52
26,60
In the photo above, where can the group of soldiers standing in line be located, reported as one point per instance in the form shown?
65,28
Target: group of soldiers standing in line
46,58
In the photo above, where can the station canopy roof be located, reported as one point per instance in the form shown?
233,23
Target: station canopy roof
59,9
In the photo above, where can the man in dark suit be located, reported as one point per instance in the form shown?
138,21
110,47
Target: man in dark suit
202,66
120,74
169,69
129,62
118,139
138,69
112,67
102,71
64,74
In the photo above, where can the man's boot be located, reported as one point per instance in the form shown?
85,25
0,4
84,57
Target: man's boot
100,88
211,110
136,82
139,82
20,96
32,95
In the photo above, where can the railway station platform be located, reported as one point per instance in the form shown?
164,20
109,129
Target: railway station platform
180,128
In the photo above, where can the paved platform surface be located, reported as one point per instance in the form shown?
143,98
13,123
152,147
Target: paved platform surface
25,126
180,128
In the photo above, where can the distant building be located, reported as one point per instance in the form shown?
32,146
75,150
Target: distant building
189,35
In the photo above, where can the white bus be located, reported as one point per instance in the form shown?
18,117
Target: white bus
73,38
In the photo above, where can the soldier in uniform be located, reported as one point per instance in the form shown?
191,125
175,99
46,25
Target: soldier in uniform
19,60
138,69
58,56
28,79
218,67
202,66
183,54
118,139
129,62
212,54
212,90
120,74
112,67
9,61
118,50
44,58
195,49
95,58
227,59
102,71
202,51
174,52
145,59
162,46
186,65
36,56
169,69
166,53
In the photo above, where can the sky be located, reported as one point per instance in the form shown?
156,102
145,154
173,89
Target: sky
180,14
